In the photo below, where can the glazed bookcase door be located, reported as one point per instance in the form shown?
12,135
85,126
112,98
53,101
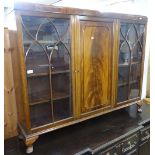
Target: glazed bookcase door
47,55
130,61
95,61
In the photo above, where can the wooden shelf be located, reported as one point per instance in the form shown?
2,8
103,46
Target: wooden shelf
39,102
38,98
60,95
135,63
45,74
37,74
123,84
45,97
126,83
60,72
123,65
126,65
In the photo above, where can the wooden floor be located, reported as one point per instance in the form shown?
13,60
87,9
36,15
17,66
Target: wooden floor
88,134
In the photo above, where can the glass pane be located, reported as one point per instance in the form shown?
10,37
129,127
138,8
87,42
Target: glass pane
30,26
27,38
41,114
47,32
60,67
124,56
136,53
122,93
60,59
131,35
138,44
124,53
60,86
135,80
134,90
36,60
62,109
135,72
131,44
123,30
38,89
47,58
61,96
123,75
63,28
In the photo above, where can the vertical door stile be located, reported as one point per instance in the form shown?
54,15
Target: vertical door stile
115,60
50,79
72,29
23,70
96,41
77,69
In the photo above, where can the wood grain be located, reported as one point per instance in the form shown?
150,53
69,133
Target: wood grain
115,56
96,65
77,65
10,112
73,64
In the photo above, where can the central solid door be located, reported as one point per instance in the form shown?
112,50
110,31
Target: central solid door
95,66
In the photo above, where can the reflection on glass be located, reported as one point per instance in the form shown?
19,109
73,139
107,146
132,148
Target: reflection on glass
36,60
38,89
124,54
122,93
134,90
60,86
41,114
123,75
60,59
62,109
135,80
135,72
136,53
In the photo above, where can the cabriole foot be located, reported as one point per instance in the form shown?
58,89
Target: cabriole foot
29,143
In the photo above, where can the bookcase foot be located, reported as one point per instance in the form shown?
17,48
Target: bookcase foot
29,144
29,149
139,108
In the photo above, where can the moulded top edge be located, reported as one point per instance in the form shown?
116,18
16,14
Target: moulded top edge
23,6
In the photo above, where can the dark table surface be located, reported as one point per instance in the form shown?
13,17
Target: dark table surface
89,134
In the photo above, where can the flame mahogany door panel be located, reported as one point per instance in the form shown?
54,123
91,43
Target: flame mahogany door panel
95,65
